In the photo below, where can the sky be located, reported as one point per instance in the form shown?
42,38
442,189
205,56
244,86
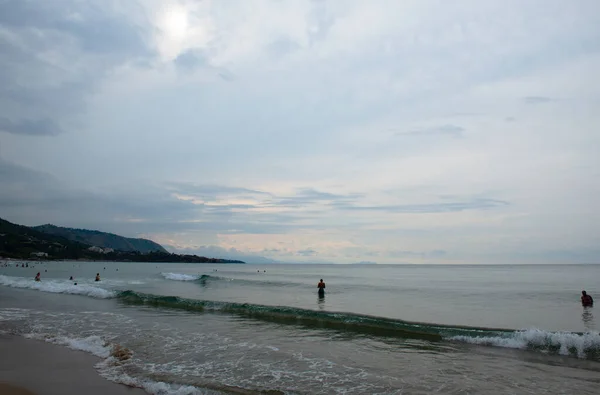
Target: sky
336,131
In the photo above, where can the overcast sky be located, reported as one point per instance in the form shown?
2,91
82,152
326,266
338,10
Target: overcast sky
318,131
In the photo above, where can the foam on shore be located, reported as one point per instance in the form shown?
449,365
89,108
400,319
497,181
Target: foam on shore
114,363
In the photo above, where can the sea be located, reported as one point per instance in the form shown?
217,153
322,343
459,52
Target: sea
263,329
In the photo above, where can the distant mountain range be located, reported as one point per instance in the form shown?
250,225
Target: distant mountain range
101,239
56,243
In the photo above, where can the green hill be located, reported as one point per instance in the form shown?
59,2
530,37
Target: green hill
102,239
18,241
23,242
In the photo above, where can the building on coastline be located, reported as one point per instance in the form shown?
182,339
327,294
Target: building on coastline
101,250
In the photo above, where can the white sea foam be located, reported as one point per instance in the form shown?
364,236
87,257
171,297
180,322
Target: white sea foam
179,276
117,283
564,343
91,344
115,374
9,314
57,286
110,370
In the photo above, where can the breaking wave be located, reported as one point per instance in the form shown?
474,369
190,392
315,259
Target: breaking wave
180,276
582,345
205,278
57,286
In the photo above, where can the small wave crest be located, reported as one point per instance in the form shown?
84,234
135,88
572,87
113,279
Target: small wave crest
289,315
582,345
205,278
57,286
180,276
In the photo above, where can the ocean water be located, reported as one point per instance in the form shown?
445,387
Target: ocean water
380,329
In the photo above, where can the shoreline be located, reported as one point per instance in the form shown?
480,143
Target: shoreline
36,367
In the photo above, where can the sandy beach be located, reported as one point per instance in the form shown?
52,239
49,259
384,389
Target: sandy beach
30,367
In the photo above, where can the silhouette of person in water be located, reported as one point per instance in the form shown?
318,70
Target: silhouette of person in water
37,277
586,300
321,286
97,276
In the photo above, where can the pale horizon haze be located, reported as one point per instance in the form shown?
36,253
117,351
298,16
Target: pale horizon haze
308,131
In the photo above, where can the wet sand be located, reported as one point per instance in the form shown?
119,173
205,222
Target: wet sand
33,367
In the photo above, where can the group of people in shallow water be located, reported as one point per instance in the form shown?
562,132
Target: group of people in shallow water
586,300
38,277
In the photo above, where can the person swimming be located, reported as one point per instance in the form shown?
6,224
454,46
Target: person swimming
97,276
321,286
38,277
586,300
71,278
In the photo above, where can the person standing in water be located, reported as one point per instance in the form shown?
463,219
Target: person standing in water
38,277
321,286
97,276
586,300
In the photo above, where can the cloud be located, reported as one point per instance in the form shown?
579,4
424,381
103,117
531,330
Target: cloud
195,59
222,209
472,204
307,252
219,252
319,22
304,197
32,197
282,47
537,99
226,75
191,59
42,127
54,59
449,130
13,174
211,191
418,254
119,35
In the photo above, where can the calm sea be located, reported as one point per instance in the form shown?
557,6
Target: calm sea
380,329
